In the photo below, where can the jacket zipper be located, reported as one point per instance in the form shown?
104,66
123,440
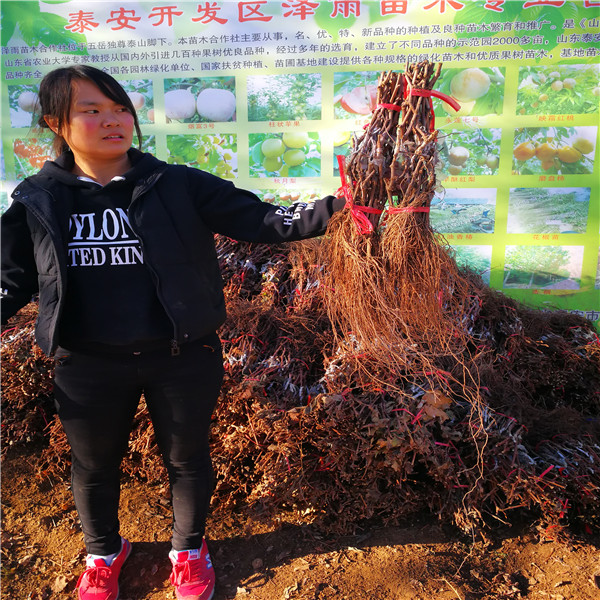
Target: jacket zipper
175,349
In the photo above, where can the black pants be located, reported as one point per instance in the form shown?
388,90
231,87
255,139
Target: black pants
97,398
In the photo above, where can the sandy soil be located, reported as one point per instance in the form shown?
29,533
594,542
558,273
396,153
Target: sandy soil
42,554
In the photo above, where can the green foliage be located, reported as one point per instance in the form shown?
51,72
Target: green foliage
475,258
38,27
289,97
548,210
462,218
535,266
553,16
215,153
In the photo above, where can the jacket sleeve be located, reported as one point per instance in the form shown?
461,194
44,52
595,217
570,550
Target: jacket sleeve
241,215
19,271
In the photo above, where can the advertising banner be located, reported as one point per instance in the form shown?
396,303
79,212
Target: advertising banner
268,94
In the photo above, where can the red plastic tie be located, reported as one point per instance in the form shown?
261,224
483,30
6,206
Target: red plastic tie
396,107
428,94
358,212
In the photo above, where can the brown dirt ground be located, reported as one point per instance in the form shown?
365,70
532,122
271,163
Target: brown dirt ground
42,554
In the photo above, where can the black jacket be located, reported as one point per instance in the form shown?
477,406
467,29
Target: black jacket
175,211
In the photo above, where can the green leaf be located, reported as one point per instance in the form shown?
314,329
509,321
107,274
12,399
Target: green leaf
48,29
11,11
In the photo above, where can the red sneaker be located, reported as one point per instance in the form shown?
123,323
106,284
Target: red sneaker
193,575
101,581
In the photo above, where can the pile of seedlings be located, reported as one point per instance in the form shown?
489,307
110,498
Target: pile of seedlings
367,376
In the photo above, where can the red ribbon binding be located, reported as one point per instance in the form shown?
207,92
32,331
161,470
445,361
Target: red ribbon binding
428,94
395,107
358,212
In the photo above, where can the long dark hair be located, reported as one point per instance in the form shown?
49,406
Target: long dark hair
56,92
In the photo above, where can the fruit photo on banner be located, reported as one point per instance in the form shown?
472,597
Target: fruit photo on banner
550,150
212,152
479,92
141,95
31,153
342,146
23,105
558,90
200,100
548,210
287,154
469,152
354,94
543,267
285,196
288,97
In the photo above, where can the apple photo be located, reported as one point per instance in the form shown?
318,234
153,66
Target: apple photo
354,94
142,98
200,100
288,97
23,105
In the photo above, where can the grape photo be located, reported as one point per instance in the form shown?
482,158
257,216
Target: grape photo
31,153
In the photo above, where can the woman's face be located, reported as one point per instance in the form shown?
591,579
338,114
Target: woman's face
98,129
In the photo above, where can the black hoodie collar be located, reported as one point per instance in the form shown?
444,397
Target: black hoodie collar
61,168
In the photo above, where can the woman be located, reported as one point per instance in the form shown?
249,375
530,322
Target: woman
120,248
